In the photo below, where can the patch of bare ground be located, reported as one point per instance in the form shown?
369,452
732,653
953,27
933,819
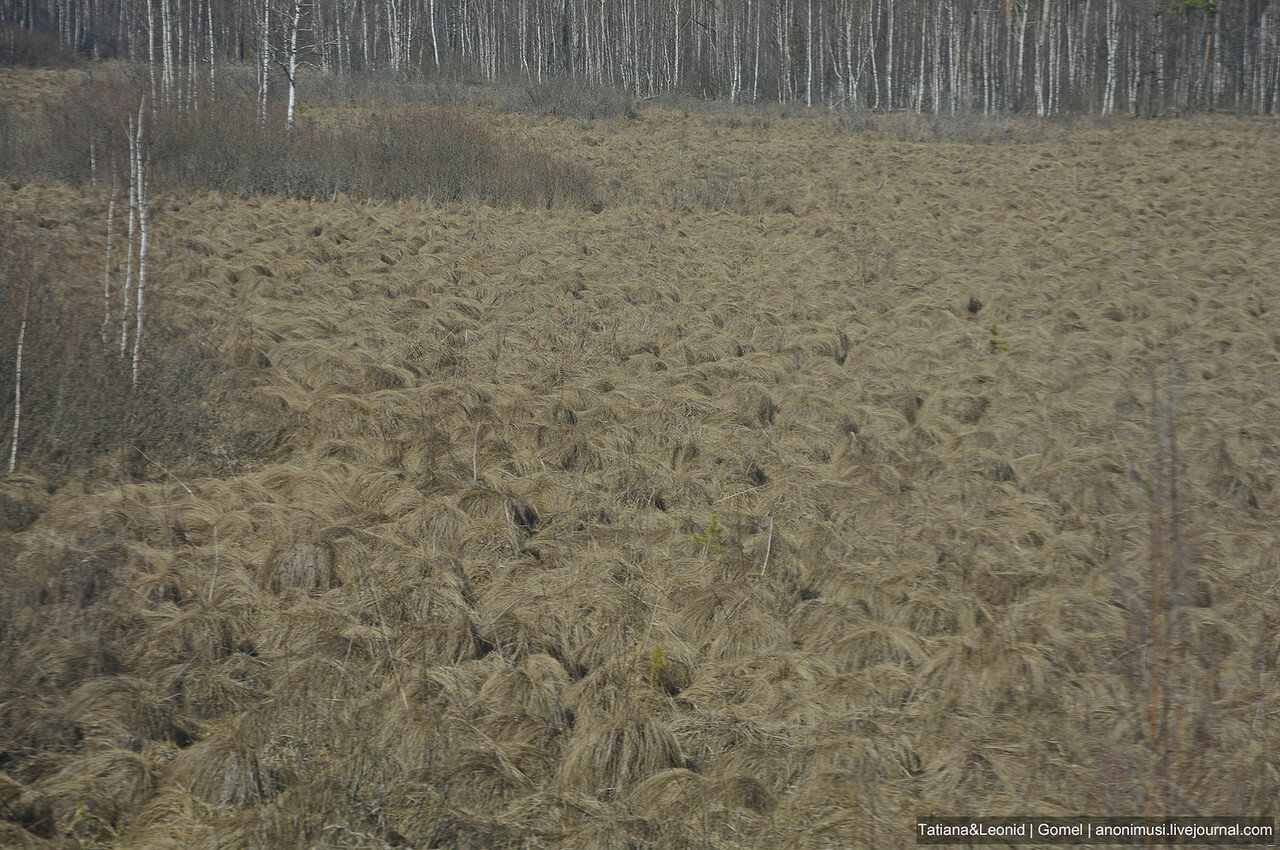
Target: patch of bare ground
987,431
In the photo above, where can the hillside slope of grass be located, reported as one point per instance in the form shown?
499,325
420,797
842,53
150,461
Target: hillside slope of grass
819,481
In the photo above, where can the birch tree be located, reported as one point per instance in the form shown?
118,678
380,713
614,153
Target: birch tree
132,231
264,60
290,60
1045,56
106,273
141,171
17,381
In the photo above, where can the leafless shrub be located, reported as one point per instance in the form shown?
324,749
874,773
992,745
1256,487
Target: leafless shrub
965,127
394,152
79,402
382,87
564,97
33,48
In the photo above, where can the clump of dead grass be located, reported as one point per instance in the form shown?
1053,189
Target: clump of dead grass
22,499
608,755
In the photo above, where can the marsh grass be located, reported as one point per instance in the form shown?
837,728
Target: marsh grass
461,602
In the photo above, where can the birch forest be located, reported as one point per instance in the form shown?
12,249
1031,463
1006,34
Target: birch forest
1041,57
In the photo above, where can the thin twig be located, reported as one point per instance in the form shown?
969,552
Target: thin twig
739,493
741,602
1127,652
386,635
165,471
217,562
768,547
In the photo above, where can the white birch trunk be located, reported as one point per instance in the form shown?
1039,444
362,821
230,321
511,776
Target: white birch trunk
1113,44
193,50
954,59
133,227
1051,99
166,34
888,63
988,65
212,80
808,58
784,45
17,386
539,47
1042,39
151,47
920,73
1260,68
755,68
1069,33
1135,68
675,74
395,31
735,73
1156,90
106,273
1019,83
435,43
364,41
291,62
264,61
142,246
873,36
937,60
186,39
821,69
1275,76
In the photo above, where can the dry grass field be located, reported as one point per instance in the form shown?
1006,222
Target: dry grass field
825,477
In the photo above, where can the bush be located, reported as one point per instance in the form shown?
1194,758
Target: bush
964,127
383,87
394,153
34,49
79,402
562,97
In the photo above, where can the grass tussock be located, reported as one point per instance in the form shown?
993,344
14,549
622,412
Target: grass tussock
940,484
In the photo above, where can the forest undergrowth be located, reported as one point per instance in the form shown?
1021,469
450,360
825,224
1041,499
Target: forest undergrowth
809,482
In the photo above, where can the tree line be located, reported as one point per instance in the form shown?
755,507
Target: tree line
941,56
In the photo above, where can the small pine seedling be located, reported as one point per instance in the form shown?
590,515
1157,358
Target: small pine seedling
709,539
996,342
657,661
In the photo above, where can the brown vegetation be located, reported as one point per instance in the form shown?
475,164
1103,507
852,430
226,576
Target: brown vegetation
79,403
392,151
969,561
